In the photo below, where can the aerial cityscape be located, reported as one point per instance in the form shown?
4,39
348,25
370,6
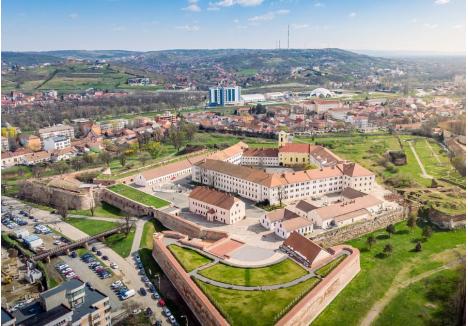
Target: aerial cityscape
233,162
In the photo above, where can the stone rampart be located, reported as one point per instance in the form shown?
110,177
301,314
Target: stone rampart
340,235
41,193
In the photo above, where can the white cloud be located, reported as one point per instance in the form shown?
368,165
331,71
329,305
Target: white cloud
431,26
189,28
236,21
299,26
192,6
73,15
457,26
230,3
269,15
318,4
352,14
441,2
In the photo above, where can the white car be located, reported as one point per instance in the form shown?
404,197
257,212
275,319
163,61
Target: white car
114,265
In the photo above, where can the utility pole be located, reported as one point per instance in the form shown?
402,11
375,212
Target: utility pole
288,36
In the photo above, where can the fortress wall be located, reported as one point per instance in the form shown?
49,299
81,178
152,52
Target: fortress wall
200,305
313,303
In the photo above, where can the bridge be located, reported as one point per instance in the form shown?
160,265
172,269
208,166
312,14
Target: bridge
67,247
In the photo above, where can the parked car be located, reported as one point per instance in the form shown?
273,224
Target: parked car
167,312
142,291
114,265
105,258
93,249
73,254
156,296
148,311
172,320
99,253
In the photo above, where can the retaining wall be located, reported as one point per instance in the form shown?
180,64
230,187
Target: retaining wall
314,302
200,305
340,235
172,222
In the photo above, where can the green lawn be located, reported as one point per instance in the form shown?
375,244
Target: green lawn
121,243
255,307
149,228
102,210
282,272
138,196
188,258
378,273
426,302
325,270
91,227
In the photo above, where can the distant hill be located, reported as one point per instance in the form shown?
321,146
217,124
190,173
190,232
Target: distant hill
31,58
93,54
28,58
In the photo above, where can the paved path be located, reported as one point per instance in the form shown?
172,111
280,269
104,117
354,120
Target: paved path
98,218
395,288
421,166
139,225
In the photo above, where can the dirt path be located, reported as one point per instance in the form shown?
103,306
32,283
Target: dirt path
395,288
433,153
421,166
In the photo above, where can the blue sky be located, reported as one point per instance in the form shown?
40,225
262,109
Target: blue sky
384,25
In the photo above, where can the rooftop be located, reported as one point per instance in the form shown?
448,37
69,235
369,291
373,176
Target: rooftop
213,197
306,247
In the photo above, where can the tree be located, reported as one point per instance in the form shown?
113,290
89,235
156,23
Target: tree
411,222
427,232
388,249
154,148
371,241
418,246
175,137
189,130
390,229
128,225
63,210
61,167
123,159
105,157
37,171
144,158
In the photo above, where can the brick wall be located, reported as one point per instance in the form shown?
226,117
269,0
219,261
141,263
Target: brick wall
313,303
200,305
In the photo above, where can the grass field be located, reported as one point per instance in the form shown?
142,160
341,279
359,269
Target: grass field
188,258
149,228
426,302
91,227
255,307
121,243
282,272
102,210
325,270
378,272
138,196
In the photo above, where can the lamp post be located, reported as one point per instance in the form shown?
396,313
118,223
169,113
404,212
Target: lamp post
186,319
159,281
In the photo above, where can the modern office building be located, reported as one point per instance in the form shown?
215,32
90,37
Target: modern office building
72,303
220,96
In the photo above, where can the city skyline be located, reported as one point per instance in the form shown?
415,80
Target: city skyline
424,26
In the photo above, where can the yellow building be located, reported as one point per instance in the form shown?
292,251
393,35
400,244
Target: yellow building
283,139
294,154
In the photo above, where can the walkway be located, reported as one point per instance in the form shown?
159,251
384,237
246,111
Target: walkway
432,150
393,291
195,274
421,166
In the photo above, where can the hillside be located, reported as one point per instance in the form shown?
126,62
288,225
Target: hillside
28,58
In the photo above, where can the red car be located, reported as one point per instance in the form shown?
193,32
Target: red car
161,302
